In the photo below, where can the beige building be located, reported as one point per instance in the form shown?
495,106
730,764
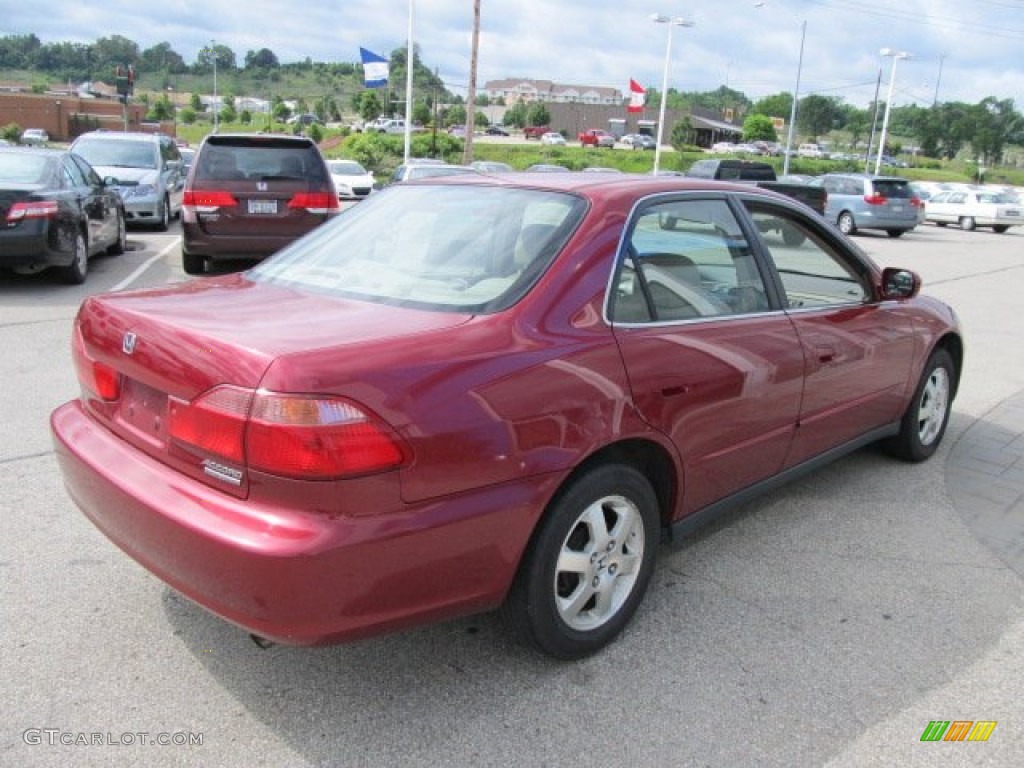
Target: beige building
514,90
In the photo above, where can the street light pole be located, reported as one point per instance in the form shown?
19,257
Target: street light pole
677,21
796,98
896,55
796,93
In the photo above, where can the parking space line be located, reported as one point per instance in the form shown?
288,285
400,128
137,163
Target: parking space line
144,266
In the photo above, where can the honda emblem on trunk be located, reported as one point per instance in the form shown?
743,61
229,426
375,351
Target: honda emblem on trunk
128,343
261,186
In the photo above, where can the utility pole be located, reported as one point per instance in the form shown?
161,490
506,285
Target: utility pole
467,157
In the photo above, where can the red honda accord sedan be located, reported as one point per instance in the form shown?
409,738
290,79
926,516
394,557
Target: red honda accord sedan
475,392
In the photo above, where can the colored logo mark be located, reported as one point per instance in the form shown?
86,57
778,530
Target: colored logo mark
958,730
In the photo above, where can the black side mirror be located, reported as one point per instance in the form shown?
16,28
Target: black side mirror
899,283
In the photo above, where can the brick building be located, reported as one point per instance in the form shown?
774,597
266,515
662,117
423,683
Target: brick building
65,116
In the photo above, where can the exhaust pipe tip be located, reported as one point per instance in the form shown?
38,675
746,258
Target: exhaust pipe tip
262,642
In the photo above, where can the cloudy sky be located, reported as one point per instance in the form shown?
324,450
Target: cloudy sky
964,50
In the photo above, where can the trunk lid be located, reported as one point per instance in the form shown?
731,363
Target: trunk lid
171,345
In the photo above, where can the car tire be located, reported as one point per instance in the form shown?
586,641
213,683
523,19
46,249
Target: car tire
968,224
193,263
120,245
792,236
588,564
75,272
165,216
924,422
846,223
1000,228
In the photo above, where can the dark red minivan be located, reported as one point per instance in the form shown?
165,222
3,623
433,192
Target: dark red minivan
249,195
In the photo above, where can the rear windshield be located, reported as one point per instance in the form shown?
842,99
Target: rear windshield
19,168
117,153
893,188
260,159
468,248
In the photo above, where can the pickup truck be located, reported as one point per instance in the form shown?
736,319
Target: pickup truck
535,131
762,175
595,137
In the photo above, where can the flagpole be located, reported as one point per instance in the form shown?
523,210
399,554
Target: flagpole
408,86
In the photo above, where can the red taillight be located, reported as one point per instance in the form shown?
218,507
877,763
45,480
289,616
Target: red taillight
916,202
32,209
208,200
314,202
213,423
298,436
875,199
95,377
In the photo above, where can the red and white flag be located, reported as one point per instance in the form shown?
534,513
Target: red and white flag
636,97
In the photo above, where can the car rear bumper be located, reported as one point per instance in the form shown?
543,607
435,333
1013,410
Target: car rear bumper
31,245
289,575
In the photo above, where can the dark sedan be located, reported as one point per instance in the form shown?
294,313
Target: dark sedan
56,212
481,391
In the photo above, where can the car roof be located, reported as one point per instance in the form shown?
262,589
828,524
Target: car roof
122,135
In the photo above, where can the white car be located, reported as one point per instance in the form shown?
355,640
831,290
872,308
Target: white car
351,180
35,136
552,138
973,208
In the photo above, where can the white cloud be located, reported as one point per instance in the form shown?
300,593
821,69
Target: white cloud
599,42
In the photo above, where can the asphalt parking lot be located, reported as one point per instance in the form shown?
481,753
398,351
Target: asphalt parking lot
828,623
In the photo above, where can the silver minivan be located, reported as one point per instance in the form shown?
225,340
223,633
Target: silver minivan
865,201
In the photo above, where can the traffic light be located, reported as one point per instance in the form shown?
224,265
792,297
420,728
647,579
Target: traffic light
125,79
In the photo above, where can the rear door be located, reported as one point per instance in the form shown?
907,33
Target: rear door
710,364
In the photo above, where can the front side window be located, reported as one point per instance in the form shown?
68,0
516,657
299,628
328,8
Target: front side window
686,260
812,271
469,248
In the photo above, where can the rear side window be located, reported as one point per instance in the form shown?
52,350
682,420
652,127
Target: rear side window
260,159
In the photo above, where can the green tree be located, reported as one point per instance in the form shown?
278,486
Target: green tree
245,117
421,113
816,114
264,58
187,115
516,115
779,105
114,51
455,115
162,58
195,103
538,114
682,135
369,105
994,123
759,128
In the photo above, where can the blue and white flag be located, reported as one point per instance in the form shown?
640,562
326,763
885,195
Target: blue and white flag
375,69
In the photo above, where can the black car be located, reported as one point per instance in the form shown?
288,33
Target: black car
496,130
55,211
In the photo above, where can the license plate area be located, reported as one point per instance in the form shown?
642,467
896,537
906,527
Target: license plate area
143,410
263,207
